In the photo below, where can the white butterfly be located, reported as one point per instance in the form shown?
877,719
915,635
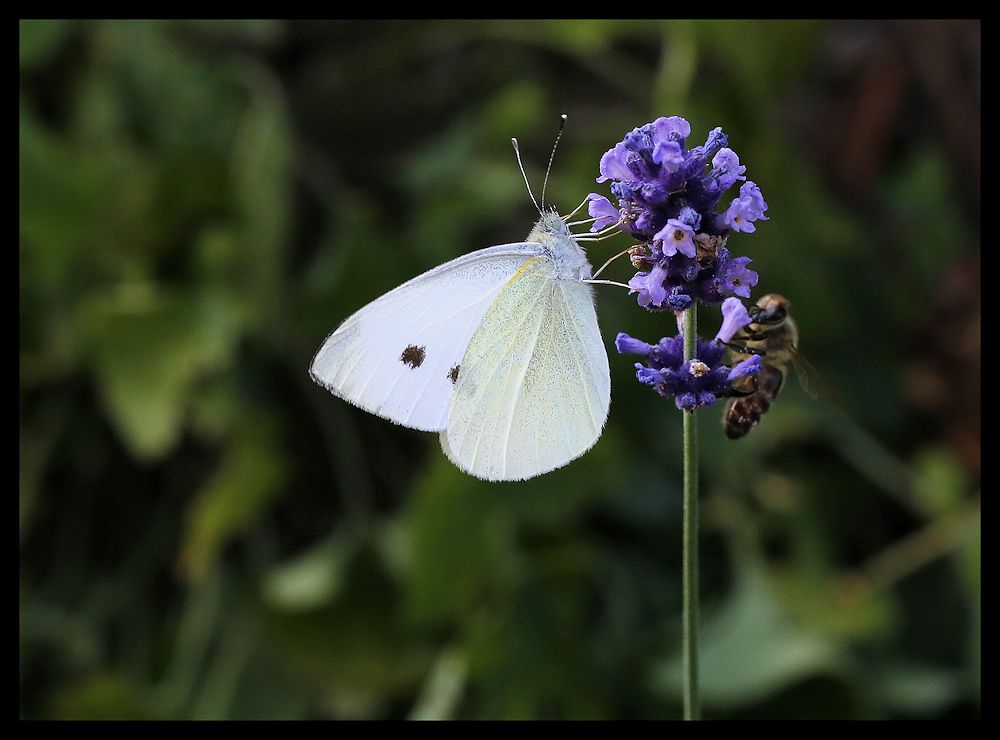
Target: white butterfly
498,350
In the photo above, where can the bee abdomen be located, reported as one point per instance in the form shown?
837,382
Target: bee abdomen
743,414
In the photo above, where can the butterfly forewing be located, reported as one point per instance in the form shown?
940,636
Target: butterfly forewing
400,356
534,389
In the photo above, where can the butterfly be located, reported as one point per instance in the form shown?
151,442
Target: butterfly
498,351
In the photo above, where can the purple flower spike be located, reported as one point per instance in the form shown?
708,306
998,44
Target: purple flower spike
668,198
698,382
734,318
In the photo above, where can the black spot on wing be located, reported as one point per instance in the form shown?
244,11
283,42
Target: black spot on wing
413,356
453,374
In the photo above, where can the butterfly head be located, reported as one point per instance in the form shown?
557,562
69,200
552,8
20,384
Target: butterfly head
549,225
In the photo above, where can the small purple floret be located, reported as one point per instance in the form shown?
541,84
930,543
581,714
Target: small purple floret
647,375
600,207
650,287
727,168
734,318
746,209
749,366
676,236
669,155
627,345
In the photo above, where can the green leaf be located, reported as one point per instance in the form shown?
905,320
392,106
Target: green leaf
310,580
149,348
247,480
261,170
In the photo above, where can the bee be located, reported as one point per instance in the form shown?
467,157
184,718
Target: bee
773,336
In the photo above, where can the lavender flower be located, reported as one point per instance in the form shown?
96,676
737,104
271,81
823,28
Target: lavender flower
668,198
697,382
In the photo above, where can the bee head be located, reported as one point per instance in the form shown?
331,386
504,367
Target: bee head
770,309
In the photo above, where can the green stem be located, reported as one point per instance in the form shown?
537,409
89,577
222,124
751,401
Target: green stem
692,706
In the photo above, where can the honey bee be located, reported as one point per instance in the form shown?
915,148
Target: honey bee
773,336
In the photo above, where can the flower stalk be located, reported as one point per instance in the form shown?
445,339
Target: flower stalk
692,706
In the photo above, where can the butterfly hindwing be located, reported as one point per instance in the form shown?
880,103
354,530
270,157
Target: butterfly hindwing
400,356
534,389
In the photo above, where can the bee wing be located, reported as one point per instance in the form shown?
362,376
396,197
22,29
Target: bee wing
807,375
812,382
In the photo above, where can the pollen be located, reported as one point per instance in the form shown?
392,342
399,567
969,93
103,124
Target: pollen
698,368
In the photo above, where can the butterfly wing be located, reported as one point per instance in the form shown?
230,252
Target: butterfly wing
399,356
534,387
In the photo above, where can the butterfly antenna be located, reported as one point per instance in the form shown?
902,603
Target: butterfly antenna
552,156
517,153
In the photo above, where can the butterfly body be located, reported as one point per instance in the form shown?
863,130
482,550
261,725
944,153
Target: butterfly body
558,243
498,350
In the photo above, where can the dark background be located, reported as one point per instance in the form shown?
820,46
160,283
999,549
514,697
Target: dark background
204,533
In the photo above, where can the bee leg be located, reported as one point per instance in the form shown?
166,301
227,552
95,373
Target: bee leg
743,349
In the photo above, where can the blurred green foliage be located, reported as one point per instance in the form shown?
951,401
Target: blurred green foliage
206,534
